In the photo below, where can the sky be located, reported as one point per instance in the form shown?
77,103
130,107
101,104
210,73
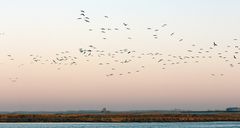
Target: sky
46,27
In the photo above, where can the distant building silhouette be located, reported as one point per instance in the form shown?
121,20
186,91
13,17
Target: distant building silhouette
233,109
104,110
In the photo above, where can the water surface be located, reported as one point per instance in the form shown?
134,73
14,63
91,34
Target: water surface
124,125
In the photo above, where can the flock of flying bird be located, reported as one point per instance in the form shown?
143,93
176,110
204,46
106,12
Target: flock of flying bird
114,60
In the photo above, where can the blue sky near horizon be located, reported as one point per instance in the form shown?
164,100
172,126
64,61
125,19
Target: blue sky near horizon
45,27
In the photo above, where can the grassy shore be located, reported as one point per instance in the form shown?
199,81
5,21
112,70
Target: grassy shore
118,117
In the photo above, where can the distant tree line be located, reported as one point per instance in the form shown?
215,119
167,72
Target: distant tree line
117,117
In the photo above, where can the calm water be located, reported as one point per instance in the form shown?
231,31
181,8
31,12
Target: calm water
123,125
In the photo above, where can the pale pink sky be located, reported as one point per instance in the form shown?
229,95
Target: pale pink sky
45,28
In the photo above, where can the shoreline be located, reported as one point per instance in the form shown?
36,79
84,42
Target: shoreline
116,118
109,122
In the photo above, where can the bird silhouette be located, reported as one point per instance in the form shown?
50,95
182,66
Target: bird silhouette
180,40
164,25
214,44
